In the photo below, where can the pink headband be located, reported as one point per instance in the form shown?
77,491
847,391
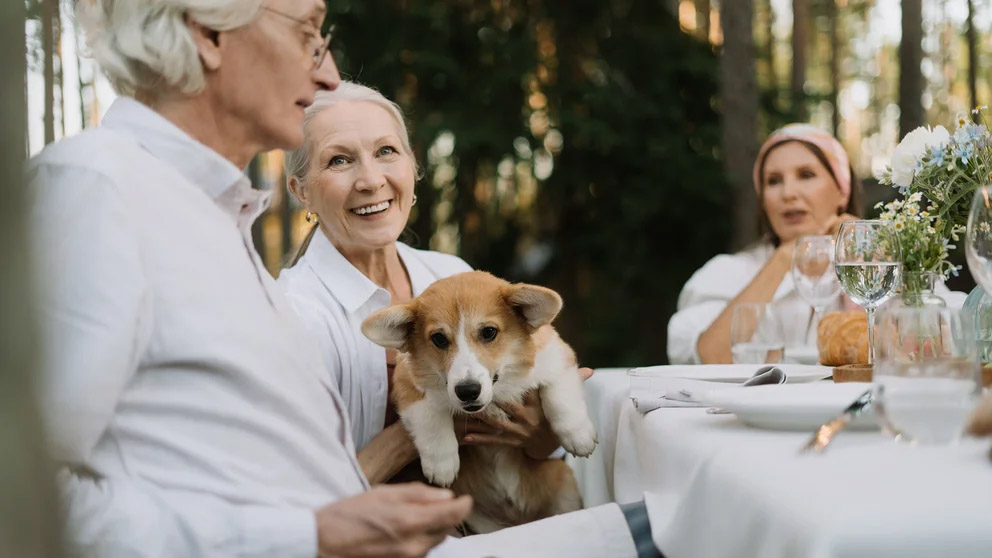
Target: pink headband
840,166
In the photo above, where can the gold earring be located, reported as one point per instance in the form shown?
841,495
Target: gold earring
312,218
414,200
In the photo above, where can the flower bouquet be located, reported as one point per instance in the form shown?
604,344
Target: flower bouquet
937,173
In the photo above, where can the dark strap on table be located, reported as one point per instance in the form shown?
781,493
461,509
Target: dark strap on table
636,515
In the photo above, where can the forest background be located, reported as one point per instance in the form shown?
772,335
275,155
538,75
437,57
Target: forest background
601,148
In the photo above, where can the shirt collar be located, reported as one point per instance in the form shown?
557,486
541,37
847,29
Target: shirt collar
220,179
351,287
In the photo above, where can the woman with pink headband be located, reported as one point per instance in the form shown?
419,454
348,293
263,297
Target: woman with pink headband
805,186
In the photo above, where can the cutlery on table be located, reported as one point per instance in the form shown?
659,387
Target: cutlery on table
826,432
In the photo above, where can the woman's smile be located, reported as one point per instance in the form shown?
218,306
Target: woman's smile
372,210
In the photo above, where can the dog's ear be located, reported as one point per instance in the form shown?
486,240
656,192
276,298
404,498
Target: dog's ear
390,327
537,305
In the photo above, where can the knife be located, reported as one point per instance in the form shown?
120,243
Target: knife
825,433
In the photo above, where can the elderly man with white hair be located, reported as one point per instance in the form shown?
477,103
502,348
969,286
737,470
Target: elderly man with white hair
186,410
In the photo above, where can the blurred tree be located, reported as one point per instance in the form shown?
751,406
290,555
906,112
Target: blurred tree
971,38
49,17
703,8
29,518
835,56
569,143
739,107
800,39
910,73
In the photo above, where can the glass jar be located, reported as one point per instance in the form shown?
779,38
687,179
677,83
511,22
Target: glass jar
917,290
978,305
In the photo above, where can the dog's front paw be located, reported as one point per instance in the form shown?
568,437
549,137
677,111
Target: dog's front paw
579,440
440,469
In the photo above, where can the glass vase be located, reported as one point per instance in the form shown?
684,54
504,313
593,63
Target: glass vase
917,291
978,305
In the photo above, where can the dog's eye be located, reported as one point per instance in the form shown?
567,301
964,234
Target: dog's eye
488,333
439,340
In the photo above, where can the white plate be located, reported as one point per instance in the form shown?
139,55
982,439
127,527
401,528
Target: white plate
802,354
795,373
791,407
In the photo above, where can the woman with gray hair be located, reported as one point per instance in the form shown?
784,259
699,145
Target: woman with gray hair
355,177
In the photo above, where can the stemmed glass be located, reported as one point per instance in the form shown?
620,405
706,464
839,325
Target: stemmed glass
867,258
813,274
978,243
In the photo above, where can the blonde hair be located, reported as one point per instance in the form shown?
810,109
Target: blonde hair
299,161
145,46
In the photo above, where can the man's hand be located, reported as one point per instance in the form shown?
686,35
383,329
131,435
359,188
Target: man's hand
525,427
397,520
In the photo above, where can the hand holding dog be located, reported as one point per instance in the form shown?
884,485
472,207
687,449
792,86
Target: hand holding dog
525,426
399,520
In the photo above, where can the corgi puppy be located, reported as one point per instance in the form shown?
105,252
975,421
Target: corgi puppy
467,343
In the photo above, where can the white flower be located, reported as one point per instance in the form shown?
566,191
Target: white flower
911,149
915,197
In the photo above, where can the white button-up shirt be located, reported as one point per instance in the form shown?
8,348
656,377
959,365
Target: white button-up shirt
191,415
720,280
333,298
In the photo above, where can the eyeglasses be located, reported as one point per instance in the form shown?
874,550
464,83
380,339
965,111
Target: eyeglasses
319,46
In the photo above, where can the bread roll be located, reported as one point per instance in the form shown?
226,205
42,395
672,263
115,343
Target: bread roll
842,338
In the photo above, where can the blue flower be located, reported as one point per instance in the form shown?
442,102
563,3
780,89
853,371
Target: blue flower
963,152
937,160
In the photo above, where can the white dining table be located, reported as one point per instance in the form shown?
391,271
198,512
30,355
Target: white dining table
717,488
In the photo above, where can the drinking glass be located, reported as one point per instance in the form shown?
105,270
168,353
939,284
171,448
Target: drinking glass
978,240
756,334
927,376
867,260
813,274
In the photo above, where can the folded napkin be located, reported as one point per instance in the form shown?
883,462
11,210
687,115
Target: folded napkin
665,392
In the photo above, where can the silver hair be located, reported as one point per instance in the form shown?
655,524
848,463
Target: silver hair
298,161
145,46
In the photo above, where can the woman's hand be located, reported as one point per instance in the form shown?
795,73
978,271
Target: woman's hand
525,426
832,226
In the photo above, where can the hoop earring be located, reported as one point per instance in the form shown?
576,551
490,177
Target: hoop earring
414,201
311,218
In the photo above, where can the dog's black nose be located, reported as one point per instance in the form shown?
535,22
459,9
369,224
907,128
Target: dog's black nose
468,391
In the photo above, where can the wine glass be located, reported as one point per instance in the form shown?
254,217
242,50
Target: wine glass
867,259
978,242
813,274
756,335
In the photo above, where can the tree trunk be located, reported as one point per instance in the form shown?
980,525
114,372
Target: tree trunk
910,74
800,38
834,65
770,49
739,102
60,74
970,35
48,10
703,8
29,518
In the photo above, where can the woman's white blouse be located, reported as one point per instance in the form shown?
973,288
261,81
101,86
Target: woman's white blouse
333,298
713,286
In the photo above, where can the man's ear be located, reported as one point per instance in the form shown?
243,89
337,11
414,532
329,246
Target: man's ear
207,42
537,305
390,327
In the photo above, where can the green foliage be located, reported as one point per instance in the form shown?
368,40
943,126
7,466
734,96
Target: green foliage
635,201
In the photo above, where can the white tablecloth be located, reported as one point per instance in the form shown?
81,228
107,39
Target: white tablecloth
717,488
